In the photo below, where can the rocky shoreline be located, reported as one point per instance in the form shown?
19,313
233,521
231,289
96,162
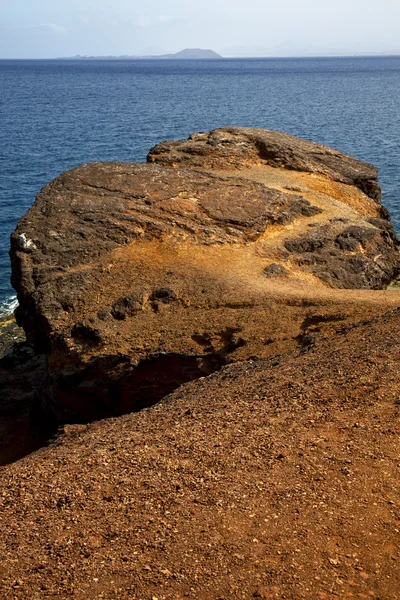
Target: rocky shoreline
10,333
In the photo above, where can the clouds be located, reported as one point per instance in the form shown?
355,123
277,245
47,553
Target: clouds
68,27
149,20
58,29
165,19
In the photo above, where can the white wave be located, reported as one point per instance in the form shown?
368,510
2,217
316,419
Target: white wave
8,306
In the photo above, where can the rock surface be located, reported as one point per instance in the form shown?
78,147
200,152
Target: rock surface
276,477
21,373
237,147
135,278
342,249
10,334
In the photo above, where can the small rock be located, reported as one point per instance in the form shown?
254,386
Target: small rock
267,592
275,270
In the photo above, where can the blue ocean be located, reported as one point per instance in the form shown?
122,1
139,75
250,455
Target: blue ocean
55,115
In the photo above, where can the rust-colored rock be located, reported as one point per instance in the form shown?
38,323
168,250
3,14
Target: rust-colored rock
135,278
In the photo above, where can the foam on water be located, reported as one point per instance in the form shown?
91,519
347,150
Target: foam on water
8,306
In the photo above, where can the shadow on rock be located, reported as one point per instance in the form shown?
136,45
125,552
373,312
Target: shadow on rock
22,431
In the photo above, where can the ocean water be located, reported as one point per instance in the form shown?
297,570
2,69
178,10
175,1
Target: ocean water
55,115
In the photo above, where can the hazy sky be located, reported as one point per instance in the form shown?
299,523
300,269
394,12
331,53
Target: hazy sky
51,28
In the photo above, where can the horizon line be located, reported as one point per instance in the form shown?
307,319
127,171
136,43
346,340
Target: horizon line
162,56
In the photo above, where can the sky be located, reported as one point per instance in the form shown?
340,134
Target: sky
59,28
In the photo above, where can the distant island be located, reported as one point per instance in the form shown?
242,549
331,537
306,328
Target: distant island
186,54
193,53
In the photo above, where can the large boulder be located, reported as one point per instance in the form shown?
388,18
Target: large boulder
135,278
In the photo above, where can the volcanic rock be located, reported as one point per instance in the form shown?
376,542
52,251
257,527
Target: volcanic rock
237,147
140,277
274,270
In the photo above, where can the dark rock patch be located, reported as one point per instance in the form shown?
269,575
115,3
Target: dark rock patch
275,270
162,296
298,207
353,237
128,306
86,333
350,258
306,244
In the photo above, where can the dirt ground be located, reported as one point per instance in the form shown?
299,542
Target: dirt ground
275,478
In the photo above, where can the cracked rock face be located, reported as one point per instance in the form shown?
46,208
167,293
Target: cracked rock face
140,277
237,147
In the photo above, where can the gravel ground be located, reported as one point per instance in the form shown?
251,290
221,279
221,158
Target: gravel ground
270,479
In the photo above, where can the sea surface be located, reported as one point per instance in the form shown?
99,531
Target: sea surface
55,115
